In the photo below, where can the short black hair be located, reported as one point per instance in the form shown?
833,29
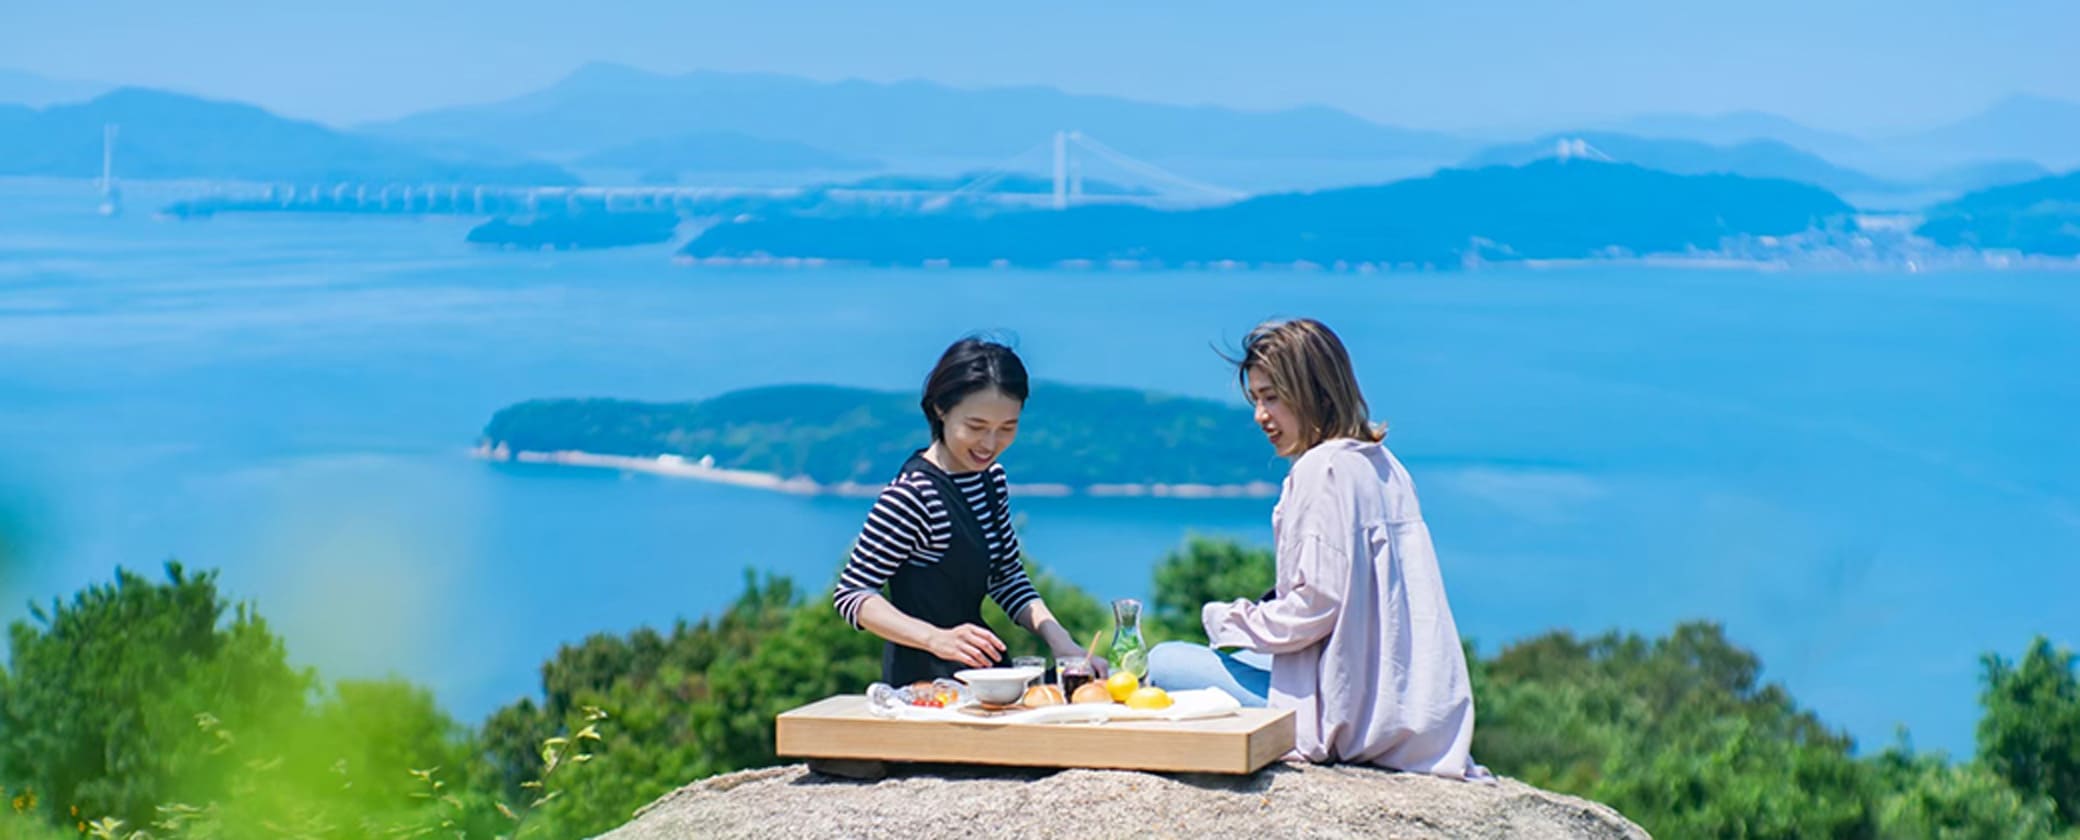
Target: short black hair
968,366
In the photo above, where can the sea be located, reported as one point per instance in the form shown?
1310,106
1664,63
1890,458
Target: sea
1869,478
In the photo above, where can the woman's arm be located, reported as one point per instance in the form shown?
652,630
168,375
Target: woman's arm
1041,622
895,528
1314,569
1013,590
968,644
1301,617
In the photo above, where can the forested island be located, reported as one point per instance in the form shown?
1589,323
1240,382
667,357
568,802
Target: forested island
2033,217
1545,210
1074,438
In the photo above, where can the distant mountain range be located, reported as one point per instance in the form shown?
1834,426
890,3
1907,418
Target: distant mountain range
659,127
1545,210
20,87
2035,217
2020,128
602,106
1740,127
1979,176
1751,158
169,135
2031,128
723,151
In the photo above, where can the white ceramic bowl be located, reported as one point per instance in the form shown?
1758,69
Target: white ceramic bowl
998,686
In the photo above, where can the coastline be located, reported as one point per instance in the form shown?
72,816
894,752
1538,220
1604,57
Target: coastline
704,469
1914,263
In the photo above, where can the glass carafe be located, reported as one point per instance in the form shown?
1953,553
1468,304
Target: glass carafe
1129,652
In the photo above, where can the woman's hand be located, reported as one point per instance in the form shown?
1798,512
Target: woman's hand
1038,619
975,647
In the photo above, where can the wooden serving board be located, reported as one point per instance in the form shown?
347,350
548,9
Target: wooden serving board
841,727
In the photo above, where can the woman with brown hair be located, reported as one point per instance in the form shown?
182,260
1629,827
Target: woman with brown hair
1361,640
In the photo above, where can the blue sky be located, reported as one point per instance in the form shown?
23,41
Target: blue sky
1854,65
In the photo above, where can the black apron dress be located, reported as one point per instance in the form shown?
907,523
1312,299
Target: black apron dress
945,594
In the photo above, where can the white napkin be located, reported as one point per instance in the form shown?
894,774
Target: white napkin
1195,704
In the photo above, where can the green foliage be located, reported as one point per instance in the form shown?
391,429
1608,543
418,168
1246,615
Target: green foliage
376,727
698,701
1204,570
1675,733
217,738
101,696
2030,734
1926,797
144,709
1730,777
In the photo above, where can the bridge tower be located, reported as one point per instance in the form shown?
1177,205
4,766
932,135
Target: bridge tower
1061,170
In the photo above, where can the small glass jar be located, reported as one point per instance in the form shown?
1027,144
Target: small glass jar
1071,672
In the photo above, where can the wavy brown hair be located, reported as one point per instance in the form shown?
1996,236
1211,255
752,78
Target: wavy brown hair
1309,370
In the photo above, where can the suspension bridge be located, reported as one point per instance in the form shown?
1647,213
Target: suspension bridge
1070,155
1070,149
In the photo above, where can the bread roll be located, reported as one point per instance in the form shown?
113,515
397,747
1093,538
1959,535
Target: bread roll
1044,695
1091,692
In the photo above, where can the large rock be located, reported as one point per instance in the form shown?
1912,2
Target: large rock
1282,801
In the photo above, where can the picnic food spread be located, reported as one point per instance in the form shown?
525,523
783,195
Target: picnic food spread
1025,689
1121,689
1201,731
1075,710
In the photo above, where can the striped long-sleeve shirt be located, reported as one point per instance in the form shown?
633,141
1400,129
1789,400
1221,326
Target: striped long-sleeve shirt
909,525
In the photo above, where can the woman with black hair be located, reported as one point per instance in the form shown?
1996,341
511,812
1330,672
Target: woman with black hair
939,538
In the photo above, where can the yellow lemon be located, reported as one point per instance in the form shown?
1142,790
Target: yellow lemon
1149,698
1121,684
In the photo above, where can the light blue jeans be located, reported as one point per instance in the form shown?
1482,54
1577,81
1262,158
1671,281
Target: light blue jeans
1181,666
